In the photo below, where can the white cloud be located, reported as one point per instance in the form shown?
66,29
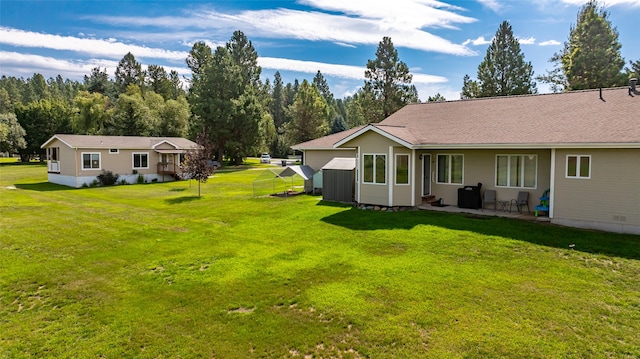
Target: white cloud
360,23
527,41
341,71
93,47
477,42
491,4
27,64
550,43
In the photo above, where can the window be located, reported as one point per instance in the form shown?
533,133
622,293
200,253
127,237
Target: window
374,169
518,171
578,166
140,160
53,153
114,151
402,169
91,161
450,169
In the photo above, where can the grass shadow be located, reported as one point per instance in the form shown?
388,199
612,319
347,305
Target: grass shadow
546,234
43,187
177,189
178,200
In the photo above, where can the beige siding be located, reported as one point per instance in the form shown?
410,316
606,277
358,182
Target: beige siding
66,158
316,159
373,143
480,167
120,163
402,192
611,196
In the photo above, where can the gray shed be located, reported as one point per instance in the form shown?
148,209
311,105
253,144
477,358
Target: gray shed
338,180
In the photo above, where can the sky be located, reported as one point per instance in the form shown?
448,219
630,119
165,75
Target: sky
439,40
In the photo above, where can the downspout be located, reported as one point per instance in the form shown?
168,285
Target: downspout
412,177
390,176
75,160
552,183
358,174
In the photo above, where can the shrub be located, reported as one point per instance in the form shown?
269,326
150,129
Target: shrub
140,179
107,178
123,181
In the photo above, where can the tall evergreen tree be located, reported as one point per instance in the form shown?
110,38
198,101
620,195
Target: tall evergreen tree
158,81
503,71
244,55
388,79
277,105
308,115
591,57
129,72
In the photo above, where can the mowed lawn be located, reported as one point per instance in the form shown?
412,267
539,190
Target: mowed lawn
153,271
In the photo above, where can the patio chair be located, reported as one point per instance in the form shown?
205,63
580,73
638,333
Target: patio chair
522,200
489,197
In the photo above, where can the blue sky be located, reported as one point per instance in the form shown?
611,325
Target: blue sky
440,41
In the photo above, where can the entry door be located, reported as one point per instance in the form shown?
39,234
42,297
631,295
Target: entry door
426,175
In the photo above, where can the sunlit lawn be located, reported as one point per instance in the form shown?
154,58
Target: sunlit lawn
154,271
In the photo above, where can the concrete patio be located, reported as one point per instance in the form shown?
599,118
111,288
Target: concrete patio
487,212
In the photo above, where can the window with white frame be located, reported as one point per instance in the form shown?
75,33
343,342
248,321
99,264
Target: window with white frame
516,171
402,169
140,160
114,151
91,161
579,166
374,168
450,169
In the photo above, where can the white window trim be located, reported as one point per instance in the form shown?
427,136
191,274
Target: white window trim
395,172
111,152
577,176
535,186
449,156
133,162
374,168
91,153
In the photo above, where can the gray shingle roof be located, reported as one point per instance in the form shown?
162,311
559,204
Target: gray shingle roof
120,142
562,119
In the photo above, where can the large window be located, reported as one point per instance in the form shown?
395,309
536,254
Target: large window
517,171
140,160
578,166
91,161
374,169
450,169
402,169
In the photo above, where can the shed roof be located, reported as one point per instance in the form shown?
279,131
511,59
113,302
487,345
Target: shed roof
304,171
340,163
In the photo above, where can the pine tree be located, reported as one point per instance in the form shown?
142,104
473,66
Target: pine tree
388,79
308,115
503,72
129,72
591,57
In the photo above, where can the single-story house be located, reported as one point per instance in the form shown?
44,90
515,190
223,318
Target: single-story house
583,146
76,160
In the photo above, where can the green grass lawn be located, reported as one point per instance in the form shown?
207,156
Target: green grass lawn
153,271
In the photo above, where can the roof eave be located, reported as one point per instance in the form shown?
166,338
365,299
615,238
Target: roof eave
381,132
513,146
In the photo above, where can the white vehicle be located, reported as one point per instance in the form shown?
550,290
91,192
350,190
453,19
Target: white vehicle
265,158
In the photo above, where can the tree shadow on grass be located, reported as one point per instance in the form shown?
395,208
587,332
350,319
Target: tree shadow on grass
178,200
43,187
546,234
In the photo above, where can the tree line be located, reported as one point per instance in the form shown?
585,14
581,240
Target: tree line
241,115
